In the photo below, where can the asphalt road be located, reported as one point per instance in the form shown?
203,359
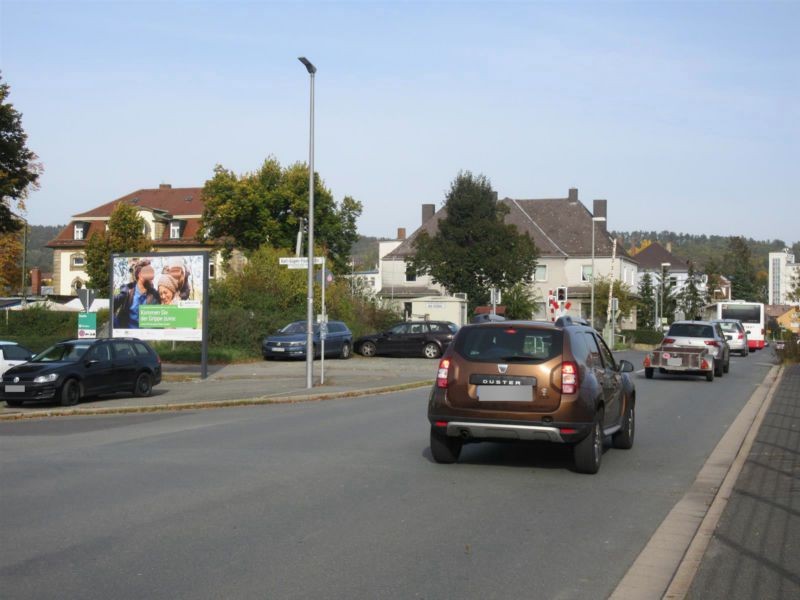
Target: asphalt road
340,499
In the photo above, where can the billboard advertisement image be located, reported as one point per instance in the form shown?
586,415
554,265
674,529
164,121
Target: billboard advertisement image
159,296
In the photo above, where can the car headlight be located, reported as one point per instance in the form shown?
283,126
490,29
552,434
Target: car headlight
46,378
297,343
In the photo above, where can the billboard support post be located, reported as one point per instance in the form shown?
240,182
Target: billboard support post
204,342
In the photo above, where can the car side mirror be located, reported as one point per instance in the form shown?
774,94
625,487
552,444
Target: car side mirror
625,366
90,362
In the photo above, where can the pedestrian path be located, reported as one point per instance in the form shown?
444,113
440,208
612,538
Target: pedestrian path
755,549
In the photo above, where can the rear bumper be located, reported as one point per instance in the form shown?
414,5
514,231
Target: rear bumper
477,430
755,344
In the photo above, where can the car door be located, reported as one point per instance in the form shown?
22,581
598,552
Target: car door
12,355
392,341
415,338
333,341
612,384
124,365
98,369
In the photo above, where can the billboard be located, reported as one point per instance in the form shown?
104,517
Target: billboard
159,296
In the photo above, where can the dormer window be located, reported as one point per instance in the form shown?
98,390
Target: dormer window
174,230
79,231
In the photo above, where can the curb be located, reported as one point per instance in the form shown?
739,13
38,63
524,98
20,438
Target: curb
257,401
669,561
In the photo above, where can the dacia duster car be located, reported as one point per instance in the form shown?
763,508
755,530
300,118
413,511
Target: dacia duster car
530,380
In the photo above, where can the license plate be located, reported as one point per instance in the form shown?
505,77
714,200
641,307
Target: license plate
277,349
505,393
15,388
675,362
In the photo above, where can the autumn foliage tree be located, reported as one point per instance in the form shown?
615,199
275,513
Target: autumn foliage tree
10,261
125,234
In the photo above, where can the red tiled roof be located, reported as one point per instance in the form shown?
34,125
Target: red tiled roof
175,201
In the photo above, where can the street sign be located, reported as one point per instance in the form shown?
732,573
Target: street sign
298,262
86,296
87,325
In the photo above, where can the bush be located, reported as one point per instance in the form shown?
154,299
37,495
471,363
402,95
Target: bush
644,336
37,328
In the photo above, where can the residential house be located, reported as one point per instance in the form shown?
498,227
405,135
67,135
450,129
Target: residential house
790,320
171,220
561,228
783,271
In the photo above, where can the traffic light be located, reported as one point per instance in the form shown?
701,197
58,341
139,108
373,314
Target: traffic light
561,294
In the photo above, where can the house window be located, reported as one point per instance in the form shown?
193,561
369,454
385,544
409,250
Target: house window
77,231
586,273
174,230
541,273
212,270
411,274
78,261
145,229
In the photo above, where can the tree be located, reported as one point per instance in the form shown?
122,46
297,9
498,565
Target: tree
125,234
739,265
667,297
10,261
520,301
690,299
645,305
713,270
474,249
793,294
19,171
622,292
270,205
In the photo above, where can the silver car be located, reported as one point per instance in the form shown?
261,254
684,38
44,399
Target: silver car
735,334
691,346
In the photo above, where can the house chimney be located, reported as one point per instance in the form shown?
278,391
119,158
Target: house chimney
401,233
428,211
165,186
573,194
669,247
599,209
36,281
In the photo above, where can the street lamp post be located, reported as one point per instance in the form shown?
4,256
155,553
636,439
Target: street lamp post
310,292
594,220
664,265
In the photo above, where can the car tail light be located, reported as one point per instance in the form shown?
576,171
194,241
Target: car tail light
441,375
704,365
741,335
568,430
569,378
647,361
668,341
440,424
712,343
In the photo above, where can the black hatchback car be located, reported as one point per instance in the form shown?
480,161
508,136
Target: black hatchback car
75,369
415,338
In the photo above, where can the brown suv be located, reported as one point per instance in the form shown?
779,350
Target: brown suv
529,380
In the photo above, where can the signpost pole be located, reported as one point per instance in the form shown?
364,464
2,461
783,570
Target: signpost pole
204,343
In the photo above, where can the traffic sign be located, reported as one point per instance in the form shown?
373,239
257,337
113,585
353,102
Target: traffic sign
298,262
86,296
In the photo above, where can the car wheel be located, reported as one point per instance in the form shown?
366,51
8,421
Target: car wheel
144,385
431,350
346,351
710,374
445,449
727,366
648,372
70,393
623,439
718,368
14,403
368,349
588,453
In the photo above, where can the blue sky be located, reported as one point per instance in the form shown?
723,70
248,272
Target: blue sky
683,115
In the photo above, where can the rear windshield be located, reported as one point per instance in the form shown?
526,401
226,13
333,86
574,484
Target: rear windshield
729,326
691,330
747,313
508,344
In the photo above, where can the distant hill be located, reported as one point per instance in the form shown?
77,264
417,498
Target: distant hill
38,255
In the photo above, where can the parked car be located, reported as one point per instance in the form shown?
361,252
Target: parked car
531,380
414,338
74,369
12,354
735,334
290,341
693,347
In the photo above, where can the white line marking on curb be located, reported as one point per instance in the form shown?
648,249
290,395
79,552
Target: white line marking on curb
666,556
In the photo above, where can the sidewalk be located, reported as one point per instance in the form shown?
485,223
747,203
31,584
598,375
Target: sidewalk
253,383
755,549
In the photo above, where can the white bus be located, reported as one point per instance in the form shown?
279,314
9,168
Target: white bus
751,314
